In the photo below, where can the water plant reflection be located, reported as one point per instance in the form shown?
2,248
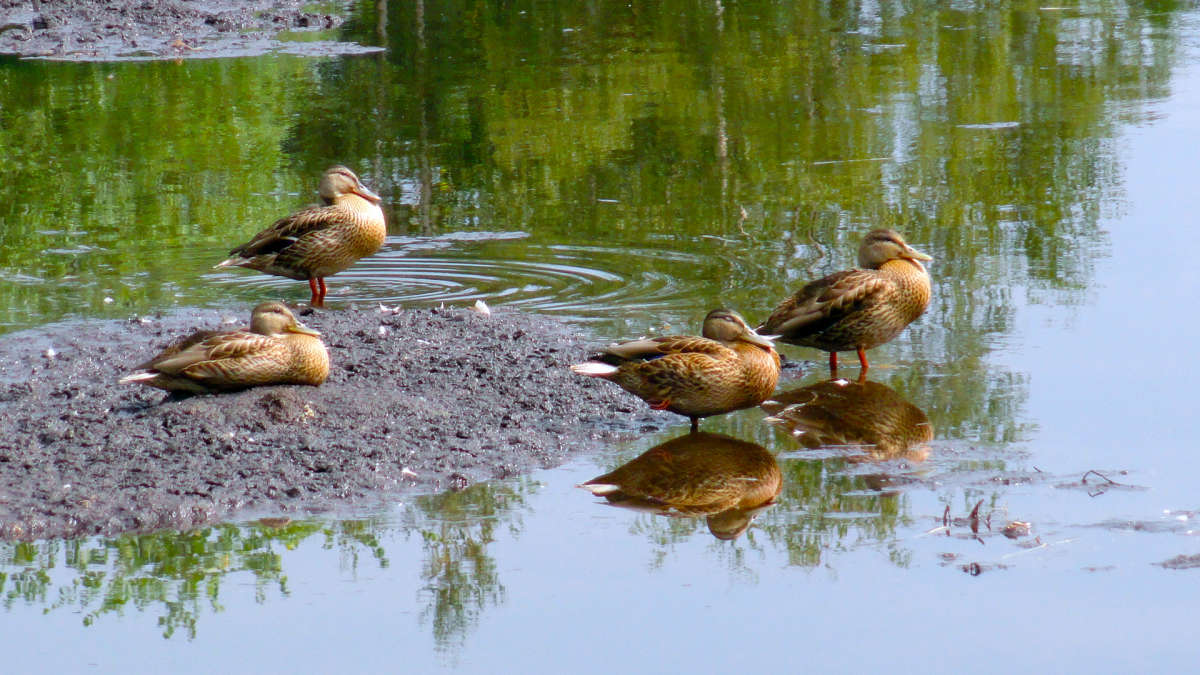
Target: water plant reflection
178,574
863,413
729,481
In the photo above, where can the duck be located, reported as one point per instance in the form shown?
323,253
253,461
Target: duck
857,309
730,367
318,241
277,349
725,479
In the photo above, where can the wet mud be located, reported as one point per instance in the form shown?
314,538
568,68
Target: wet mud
108,30
416,400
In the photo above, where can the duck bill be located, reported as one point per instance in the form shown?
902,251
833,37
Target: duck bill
754,338
302,329
914,254
366,193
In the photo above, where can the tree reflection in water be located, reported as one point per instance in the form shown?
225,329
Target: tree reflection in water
459,573
182,576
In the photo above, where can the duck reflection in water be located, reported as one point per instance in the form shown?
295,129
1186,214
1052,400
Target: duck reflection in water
729,481
862,413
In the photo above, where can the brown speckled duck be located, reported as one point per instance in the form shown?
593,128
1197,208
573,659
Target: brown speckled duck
857,309
276,350
730,368
319,241
701,474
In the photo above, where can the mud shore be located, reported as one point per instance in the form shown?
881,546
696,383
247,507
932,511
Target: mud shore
417,400
125,30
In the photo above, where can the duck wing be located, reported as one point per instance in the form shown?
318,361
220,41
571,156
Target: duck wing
212,350
285,232
178,346
654,348
822,303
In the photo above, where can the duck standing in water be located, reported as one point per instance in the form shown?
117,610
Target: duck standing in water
731,367
319,241
276,350
857,309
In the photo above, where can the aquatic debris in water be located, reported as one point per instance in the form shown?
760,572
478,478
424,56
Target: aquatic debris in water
1181,562
1016,529
972,519
275,523
1013,530
1097,489
975,569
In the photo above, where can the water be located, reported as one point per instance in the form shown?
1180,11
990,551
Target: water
628,170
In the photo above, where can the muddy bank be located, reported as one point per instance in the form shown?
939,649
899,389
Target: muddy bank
420,399
105,30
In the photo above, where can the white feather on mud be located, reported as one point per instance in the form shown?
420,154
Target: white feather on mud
593,369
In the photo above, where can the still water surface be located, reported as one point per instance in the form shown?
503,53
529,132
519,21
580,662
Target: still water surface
628,169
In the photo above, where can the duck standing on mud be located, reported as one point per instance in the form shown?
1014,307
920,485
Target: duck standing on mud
857,309
276,350
319,241
730,368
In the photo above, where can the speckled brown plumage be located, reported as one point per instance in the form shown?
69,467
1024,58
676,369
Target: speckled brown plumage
731,367
857,309
276,350
837,412
700,474
319,241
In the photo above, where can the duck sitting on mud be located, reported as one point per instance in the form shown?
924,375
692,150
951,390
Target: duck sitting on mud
277,349
730,368
857,309
319,241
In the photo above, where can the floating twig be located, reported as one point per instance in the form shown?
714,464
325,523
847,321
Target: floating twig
1110,481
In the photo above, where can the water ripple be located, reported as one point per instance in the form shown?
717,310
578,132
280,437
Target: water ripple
582,283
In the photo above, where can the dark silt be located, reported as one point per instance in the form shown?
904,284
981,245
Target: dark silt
417,399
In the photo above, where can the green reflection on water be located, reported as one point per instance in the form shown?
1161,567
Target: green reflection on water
176,575
984,135
125,181
182,576
459,572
